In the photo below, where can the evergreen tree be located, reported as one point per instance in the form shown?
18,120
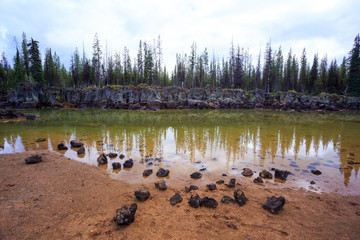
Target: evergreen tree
268,62
354,69
35,63
303,80
25,55
321,82
333,77
287,73
19,69
343,77
140,62
314,73
50,74
96,60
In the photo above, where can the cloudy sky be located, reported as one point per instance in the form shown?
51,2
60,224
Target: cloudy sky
328,26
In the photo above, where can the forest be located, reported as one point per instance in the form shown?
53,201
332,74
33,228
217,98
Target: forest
273,70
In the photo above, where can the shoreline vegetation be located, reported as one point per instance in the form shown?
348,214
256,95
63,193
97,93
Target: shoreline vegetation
60,198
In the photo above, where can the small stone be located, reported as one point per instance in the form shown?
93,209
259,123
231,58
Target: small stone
240,197
202,169
116,165
192,187
33,159
281,174
126,214
176,199
196,175
227,199
147,172
224,174
40,140
316,172
247,172
312,182
128,163
102,159
76,143
274,204
161,185
122,156
142,194
81,150
266,174
211,186
62,146
220,182
162,172
112,155
231,183
194,201
258,180
208,202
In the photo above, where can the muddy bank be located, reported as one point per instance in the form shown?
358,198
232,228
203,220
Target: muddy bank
154,98
63,199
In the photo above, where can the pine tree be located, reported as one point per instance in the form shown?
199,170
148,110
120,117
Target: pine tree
333,77
267,68
35,63
303,79
343,77
25,55
19,69
354,70
96,60
287,73
314,73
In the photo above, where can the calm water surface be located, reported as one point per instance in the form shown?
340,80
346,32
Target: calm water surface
221,141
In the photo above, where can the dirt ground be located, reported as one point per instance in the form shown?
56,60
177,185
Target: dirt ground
64,199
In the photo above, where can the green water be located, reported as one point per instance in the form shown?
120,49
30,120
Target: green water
222,141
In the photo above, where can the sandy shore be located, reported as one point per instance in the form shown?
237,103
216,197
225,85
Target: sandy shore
64,199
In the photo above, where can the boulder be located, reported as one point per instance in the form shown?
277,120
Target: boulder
194,201
240,197
126,214
281,174
142,194
231,183
62,146
274,204
266,174
176,199
122,156
196,175
112,155
102,159
33,159
258,180
147,172
76,143
211,186
161,185
247,172
30,117
81,150
192,187
128,163
208,202
162,172
227,199
116,165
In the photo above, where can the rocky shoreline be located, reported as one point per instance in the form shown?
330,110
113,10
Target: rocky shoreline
155,98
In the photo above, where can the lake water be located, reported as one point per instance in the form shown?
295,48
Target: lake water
217,141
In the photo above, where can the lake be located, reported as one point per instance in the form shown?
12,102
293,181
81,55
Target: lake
215,141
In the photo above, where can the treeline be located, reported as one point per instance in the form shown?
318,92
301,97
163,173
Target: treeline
275,73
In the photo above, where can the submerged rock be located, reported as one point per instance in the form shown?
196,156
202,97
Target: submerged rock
312,182
266,174
176,199
196,175
258,180
112,155
274,204
231,183
147,172
142,194
76,143
220,182
162,172
128,163
116,165
30,117
316,172
126,214
62,146
40,140
81,150
161,185
194,201
247,172
208,202
227,199
33,159
192,187
211,186
102,159
122,156
281,174
240,197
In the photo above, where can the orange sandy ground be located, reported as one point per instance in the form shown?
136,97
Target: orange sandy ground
64,199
